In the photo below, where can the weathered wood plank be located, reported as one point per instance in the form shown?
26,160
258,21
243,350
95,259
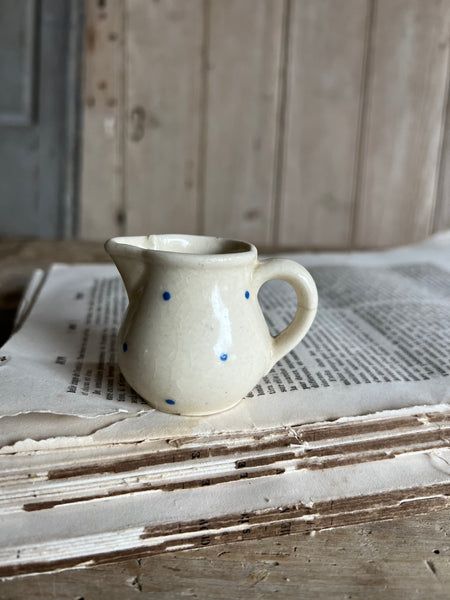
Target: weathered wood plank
102,164
163,91
242,100
403,117
372,561
442,208
324,82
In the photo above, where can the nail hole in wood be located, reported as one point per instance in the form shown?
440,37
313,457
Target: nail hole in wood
121,217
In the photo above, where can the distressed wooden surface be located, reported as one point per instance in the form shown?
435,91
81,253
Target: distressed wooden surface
403,121
245,43
325,69
442,210
294,124
406,558
102,210
163,100
410,559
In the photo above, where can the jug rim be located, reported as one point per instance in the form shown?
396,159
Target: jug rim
181,249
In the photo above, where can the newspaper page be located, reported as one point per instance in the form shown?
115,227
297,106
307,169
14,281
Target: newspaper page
380,341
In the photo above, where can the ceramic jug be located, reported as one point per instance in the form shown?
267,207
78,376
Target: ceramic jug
194,340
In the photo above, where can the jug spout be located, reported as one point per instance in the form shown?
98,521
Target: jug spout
128,260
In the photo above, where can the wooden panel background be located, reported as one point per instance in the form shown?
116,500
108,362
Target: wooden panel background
291,123
243,86
102,207
406,97
163,87
326,57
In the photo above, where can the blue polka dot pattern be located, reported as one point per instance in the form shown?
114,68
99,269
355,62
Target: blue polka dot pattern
169,401
247,294
166,296
223,356
125,347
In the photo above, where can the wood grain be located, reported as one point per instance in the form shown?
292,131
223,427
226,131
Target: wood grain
163,92
324,81
372,561
241,122
102,165
442,208
297,123
406,96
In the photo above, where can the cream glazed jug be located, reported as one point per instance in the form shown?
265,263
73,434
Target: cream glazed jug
194,340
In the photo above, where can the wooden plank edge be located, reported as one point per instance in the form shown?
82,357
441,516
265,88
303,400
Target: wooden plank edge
388,505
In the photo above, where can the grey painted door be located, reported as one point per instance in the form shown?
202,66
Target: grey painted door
38,116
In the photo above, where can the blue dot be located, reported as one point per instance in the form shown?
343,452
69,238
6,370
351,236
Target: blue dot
223,356
125,347
169,401
166,296
247,294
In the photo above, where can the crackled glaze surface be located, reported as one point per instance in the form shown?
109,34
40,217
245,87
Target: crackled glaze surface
194,340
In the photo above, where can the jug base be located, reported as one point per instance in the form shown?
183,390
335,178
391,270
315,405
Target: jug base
194,413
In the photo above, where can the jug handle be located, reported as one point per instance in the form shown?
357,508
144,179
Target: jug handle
305,288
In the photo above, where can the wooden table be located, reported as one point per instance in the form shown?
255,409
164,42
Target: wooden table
405,558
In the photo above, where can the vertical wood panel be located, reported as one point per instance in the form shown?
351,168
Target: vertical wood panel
242,99
403,121
102,172
442,209
201,149
324,82
163,91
